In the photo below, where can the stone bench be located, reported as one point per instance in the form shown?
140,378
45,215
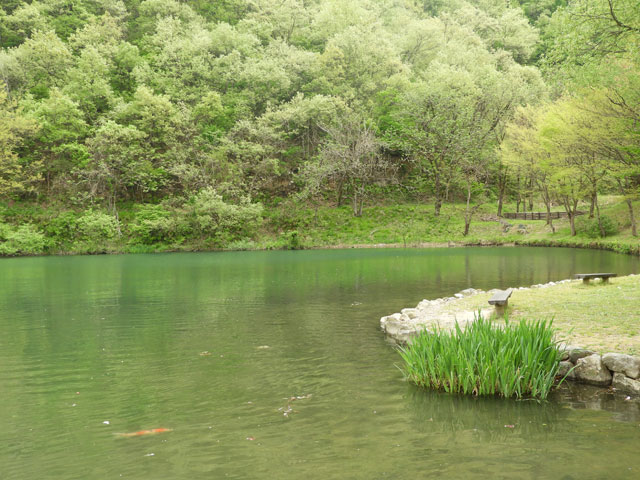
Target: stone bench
500,300
588,276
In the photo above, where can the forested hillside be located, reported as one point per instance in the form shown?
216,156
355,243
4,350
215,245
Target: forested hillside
160,121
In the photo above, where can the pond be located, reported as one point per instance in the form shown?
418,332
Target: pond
272,365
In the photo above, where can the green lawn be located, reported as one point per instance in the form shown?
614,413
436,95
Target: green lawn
603,317
415,225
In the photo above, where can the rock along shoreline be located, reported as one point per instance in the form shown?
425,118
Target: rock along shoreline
618,371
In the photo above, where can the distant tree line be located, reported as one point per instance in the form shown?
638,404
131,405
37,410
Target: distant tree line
239,102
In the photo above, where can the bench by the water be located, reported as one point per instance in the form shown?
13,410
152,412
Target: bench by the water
501,299
588,276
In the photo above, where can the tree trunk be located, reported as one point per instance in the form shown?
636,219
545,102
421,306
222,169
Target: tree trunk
571,214
600,227
634,228
572,222
546,198
467,213
629,202
358,200
502,187
438,194
594,199
501,190
355,203
549,219
115,211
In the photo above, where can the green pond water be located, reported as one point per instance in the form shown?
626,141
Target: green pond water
95,346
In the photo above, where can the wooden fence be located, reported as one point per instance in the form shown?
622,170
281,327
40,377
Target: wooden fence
538,215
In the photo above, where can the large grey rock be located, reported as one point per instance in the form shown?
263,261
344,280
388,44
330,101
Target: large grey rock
576,354
591,370
393,327
564,369
565,350
424,304
469,291
618,362
625,384
396,317
411,313
403,337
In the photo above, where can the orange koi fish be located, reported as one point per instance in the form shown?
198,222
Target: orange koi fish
140,433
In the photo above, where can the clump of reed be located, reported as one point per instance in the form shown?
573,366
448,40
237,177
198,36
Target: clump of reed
509,360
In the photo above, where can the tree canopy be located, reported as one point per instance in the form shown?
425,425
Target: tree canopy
147,100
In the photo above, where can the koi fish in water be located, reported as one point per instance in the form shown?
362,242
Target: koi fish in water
139,433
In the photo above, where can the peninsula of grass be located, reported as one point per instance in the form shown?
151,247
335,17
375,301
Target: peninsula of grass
512,360
601,317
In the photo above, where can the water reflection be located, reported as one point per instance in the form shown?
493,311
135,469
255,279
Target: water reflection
622,407
490,419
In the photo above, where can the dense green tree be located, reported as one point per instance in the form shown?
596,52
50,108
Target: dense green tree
58,145
228,11
116,100
456,111
352,159
38,64
15,177
524,156
149,146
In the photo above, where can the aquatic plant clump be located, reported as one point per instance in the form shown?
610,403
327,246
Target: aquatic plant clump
518,360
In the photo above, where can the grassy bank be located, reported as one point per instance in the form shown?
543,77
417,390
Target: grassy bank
207,224
413,225
602,317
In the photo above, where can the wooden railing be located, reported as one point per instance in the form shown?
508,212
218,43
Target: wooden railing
538,215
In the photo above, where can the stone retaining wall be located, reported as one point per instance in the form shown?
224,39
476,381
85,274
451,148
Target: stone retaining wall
612,370
615,370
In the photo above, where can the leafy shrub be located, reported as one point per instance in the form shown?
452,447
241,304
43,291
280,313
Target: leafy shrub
485,359
288,216
243,244
25,240
97,226
5,230
293,240
152,224
210,216
64,227
589,226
